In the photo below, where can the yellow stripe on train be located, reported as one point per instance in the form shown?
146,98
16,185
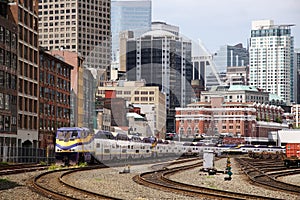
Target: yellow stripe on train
88,139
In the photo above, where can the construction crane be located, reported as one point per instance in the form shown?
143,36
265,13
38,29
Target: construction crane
212,64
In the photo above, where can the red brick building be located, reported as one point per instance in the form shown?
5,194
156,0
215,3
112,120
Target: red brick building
236,118
8,77
54,99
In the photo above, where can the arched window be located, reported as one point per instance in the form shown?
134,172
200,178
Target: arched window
181,130
189,131
196,130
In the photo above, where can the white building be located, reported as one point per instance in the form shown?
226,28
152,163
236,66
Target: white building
271,58
149,98
296,114
150,114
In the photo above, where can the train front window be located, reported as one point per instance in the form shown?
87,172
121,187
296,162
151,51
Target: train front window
74,134
60,135
68,134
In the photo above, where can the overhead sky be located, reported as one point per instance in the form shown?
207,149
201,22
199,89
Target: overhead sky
220,22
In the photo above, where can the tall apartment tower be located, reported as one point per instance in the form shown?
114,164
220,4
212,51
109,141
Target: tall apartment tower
162,59
297,75
79,26
129,15
271,58
25,14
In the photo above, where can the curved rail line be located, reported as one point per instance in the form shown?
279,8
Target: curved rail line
170,163
159,179
263,176
51,184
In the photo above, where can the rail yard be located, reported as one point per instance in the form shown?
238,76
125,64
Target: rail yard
110,183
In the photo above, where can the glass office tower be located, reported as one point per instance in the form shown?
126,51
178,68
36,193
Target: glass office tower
135,16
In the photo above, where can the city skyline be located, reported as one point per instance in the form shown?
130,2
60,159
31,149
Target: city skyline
225,22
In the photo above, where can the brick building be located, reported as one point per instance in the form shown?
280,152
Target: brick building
54,99
236,118
8,77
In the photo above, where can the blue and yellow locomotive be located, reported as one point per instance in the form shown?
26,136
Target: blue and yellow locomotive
73,145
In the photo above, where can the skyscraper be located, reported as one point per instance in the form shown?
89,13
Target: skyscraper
297,75
135,15
79,26
163,59
271,58
231,56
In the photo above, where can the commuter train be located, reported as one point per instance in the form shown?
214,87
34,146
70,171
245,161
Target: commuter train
75,145
246,148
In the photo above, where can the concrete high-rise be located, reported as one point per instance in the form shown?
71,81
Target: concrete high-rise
271,58
79,26
129,15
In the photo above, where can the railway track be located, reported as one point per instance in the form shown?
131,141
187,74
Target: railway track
266,175
170,163
159,179
52,184
21,168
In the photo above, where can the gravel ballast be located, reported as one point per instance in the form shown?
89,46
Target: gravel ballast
110,182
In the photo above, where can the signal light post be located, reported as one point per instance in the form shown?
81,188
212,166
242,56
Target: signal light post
228,170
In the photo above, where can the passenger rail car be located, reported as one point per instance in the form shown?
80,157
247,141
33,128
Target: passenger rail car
75,145
245,148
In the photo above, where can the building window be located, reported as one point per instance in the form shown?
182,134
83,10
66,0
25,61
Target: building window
1,101
1,34
7,123
127,92
1,123
7,102
189,131
2,57
181,131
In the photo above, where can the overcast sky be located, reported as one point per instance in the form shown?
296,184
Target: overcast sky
220,22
